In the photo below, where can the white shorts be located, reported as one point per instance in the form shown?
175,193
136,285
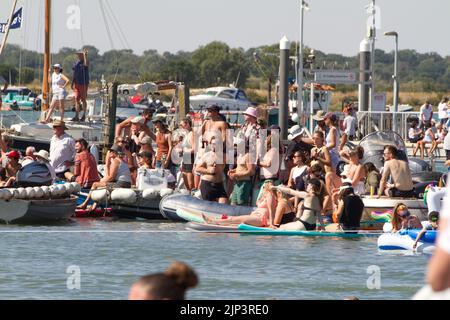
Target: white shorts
59,96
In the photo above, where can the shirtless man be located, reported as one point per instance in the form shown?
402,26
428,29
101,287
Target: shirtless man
145,120
211,167
402,186
242,177
215,125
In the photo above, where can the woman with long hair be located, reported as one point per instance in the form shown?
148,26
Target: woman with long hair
262,216
309,212
356,171
188,145
402,219
349,210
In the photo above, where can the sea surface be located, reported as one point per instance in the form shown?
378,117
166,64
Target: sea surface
41,263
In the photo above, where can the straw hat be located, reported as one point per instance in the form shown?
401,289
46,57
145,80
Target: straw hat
59,123
42,154
320,115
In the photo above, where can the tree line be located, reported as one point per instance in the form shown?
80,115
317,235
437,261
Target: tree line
218,64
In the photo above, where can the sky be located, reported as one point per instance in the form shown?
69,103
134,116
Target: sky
331,26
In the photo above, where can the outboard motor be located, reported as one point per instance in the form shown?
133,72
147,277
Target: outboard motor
34,174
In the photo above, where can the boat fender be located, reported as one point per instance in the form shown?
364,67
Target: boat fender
2,194
14,193
99,195
185,191
39,193
30,193
165,192
61,190
21,193
150,194
7,194
53,191
76,187
46,191
69,188
122,195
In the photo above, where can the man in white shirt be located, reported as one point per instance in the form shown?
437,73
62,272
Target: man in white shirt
443,111
426,114
62,149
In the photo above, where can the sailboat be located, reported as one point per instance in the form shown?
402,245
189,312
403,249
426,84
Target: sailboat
21,135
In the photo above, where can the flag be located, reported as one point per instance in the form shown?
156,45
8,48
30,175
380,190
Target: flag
16,22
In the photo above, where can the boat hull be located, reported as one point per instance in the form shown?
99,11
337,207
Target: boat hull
170,204
18,211
147,209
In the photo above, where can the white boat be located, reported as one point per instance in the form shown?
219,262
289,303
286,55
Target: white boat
374,206
228,98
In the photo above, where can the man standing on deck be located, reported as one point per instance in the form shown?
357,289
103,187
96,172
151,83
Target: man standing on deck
80,84
426,114
62,149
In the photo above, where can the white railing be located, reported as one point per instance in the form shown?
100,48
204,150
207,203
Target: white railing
369,122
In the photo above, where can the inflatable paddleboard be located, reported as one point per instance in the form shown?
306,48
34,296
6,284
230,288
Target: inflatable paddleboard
244,228
203,227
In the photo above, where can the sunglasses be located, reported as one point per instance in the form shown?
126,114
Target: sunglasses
404,214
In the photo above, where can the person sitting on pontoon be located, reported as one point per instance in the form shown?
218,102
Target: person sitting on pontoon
398,170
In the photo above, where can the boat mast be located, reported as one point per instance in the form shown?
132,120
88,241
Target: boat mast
3,45
45,83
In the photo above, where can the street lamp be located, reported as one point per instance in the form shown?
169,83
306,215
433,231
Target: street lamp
395,77
300,108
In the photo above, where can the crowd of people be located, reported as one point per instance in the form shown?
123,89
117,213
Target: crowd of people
425,131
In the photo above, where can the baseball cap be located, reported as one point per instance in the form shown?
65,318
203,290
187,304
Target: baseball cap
13,154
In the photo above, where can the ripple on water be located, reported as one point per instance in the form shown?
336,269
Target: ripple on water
112,254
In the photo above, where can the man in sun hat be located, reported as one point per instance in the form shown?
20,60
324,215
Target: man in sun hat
43,157
62,149
320,118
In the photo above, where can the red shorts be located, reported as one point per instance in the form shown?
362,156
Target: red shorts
80,91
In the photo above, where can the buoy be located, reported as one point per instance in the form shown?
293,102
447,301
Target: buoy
61,190
99,195
76,187
2,194
150,193
53,191
123,195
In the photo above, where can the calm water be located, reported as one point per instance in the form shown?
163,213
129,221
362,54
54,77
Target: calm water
112,254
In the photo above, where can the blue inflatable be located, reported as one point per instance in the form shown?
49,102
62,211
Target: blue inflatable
428,237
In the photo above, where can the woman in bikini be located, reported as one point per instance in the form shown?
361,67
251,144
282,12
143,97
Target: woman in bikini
263,216
321,155
357,172
310,210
